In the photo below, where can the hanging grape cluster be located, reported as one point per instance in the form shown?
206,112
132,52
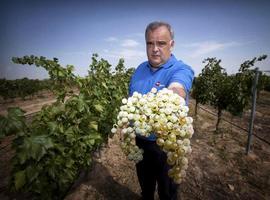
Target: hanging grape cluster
163,113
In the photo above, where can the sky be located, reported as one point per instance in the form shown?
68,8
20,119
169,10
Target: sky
230,30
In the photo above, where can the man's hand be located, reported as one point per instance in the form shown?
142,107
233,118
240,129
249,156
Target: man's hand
178,89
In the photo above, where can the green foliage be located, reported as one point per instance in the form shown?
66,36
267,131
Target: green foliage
62,78
242,86
232,93
199,90
218,85
264,82
22,88
14,122
53,149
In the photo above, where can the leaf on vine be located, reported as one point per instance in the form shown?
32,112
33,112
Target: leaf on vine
93,125
31,173
104,85
98,107
13,123
19,179
37,146
95,136
22,157
52,127
15,112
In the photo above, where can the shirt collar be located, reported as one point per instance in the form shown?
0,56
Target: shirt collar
168,64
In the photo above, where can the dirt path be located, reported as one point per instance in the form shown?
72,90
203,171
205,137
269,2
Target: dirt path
112,177
31,106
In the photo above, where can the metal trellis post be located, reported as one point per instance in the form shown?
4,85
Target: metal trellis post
251,122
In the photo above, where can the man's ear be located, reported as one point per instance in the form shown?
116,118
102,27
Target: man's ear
172,45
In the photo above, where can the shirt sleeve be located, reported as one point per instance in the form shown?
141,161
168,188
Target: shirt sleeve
184,75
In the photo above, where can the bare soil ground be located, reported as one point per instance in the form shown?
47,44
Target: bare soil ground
30,105
218,166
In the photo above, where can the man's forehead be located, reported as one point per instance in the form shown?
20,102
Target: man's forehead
161,29
158,40
160,34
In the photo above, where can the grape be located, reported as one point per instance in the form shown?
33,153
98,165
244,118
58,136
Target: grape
163,113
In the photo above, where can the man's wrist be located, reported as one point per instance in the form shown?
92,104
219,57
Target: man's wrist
178,88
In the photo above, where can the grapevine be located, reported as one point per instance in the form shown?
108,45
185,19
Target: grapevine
53,149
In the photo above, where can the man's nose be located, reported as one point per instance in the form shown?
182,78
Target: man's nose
155,48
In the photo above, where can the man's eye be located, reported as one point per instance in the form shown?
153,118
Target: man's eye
162,43
158,44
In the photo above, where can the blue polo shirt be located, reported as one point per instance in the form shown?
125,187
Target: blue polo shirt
145,78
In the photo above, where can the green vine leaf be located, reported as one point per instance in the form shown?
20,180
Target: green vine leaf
20,179
98,107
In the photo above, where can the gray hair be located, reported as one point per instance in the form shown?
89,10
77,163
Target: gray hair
154,25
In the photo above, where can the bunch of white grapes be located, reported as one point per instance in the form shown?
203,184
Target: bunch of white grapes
163,113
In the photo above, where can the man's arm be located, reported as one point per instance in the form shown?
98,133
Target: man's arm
181,81
178,89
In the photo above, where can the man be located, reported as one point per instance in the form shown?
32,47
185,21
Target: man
161,70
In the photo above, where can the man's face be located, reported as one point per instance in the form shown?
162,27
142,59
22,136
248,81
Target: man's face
158,46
